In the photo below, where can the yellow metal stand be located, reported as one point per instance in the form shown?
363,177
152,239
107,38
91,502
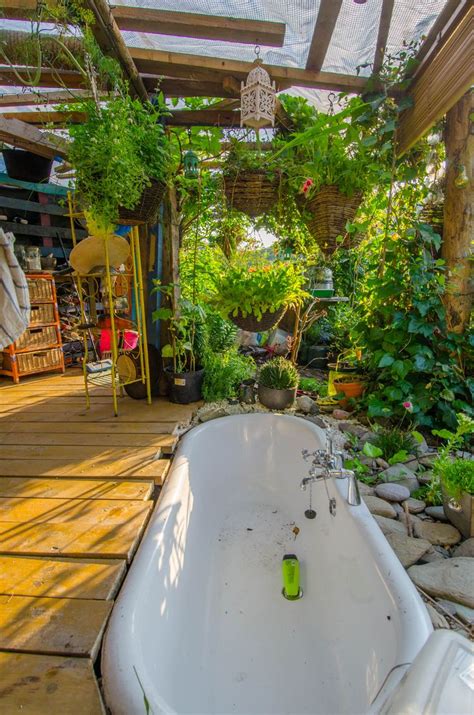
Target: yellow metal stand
91,290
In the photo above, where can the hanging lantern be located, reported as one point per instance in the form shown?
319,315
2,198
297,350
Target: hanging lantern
257,98
462,179
191,165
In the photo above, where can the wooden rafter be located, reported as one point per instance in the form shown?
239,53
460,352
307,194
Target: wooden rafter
48,78
25,99
382,36
323,29
16,132
111,42
447,77
181,24
449,17
197,67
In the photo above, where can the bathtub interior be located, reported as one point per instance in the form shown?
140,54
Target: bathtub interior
212,632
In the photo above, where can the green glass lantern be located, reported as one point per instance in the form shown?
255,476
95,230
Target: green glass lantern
191,165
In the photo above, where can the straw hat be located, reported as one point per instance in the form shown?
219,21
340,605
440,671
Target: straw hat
90,253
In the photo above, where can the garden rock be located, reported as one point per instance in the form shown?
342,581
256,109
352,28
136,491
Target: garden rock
436,512
442,534
466,549
411,484
340,414
431,556
392,492
403,518
306,404
408,550
465,613
422,447
437,619
425,477
390,526
353,428
451,579
428,459
365,490
210,412
382,463
415,506
380,507
319,421
397,473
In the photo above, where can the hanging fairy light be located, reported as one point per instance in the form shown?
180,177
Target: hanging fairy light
257,97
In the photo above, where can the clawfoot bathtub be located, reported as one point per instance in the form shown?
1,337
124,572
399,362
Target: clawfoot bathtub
201,625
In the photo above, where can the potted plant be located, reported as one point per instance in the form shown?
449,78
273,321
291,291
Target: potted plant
351,386
25,165
251,181
456,477
120,156
256,296
185,374
277,384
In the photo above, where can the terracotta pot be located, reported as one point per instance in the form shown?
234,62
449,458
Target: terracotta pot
350,389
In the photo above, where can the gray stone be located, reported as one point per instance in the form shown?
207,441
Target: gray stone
466,548
340,414
380,507
425,477
428,459
319,421
367,461
411,484
399,473
451,579
390,526
445,553
448,606
437,618
430,556
436,512
392,492
398,507
353,428
436,533
382,463
415,506
422,447
408,550
305,404
465,613
366,490
212,413
410,458
403,518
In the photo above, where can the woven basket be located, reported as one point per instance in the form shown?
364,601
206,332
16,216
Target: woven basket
254,325
42,313
329,210
40,337
147,208
34,361
251,192
40,289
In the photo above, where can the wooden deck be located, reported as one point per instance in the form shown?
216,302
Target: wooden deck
76,492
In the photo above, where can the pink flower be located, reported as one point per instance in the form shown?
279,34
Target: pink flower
408,406
307,185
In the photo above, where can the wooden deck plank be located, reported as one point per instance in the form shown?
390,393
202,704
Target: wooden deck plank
23,425
40,685
135,410
165,442
74,488
64,511
83,540
61,400
126,469
53,626
80,452
60,578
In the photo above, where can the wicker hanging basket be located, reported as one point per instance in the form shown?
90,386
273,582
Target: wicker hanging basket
327,213
252,192
147,208
255,325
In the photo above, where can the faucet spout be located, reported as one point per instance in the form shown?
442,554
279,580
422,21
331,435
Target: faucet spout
353,493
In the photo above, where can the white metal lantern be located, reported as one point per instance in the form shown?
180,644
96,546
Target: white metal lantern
257,97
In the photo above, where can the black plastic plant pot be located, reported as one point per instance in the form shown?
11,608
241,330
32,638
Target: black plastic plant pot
26,166
317,356
276,399
184,387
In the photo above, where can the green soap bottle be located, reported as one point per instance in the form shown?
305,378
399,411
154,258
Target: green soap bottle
290,567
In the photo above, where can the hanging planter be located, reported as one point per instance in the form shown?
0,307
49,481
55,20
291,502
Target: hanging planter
252,324
326,213
251,191
147,208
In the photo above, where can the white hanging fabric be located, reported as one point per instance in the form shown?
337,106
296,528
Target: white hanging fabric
14,294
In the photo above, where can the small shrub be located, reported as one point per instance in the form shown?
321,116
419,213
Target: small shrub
393,441
310,384
223,374
458,476
279,374
221,334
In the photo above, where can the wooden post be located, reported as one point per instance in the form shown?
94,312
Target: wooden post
170,251
458,213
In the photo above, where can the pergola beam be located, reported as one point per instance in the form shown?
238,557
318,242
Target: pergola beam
447,77
24,136
25,99
197,67
382,36
323,29
166,22
49,78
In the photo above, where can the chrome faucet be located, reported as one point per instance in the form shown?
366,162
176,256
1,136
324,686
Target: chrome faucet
328,463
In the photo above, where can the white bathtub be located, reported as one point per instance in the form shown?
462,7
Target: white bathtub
201,625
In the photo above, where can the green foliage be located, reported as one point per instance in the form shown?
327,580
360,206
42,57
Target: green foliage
115,152
242,158
442,465
458,477
393,441
258,288
370,450
224,371
221,334
310,384
361,470
279,373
